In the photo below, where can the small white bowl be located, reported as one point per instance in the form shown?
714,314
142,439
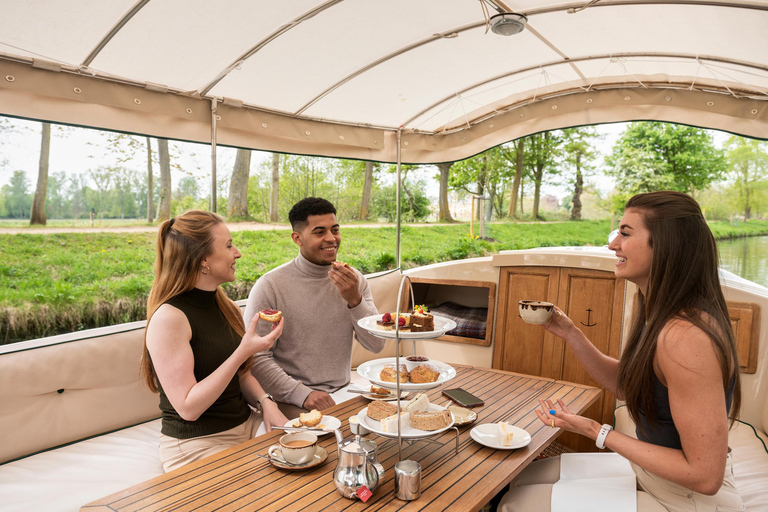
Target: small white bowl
535,312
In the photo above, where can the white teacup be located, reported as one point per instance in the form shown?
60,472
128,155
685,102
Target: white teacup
535,312
295,447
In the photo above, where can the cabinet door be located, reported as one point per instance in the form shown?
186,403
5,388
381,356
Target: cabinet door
594,301
521,347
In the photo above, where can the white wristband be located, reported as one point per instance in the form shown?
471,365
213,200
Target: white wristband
600,441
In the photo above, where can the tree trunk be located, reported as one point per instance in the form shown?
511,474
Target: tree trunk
522,192
747,207
38,204
512,212
365,202
164,208
238,184
274,189
444,213
537,190
150,186
577,189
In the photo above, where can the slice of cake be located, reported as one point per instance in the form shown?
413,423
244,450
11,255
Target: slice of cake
434,420
422,320
418,404
389,425
504,433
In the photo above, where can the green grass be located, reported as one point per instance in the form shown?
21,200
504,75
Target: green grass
54,283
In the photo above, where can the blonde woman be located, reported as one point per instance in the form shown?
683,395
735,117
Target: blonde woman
197,352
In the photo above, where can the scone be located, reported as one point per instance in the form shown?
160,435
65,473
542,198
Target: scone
376,390
311,418
388,373
424,373
271,315
378,410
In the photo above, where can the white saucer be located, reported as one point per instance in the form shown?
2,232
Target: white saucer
325,422
320,455
485,434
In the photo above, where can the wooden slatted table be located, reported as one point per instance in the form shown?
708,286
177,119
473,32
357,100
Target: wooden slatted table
235,480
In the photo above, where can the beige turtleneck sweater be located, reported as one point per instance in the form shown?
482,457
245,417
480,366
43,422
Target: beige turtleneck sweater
315,350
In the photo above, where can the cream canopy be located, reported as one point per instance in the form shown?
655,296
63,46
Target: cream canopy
340,77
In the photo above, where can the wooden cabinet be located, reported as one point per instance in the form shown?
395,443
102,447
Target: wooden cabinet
593,299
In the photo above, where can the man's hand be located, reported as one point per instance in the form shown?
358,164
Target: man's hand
318,400
346,281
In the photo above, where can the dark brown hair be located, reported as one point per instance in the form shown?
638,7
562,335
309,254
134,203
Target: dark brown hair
683,284
182,244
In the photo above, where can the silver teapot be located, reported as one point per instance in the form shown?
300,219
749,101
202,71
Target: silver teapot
358,466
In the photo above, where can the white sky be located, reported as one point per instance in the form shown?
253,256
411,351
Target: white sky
75,150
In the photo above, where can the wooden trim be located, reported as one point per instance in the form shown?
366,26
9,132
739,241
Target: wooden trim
490,285
747,316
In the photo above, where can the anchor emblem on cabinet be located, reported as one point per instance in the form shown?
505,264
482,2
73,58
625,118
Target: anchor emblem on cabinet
589,316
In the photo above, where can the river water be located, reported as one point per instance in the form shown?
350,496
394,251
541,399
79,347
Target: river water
746,257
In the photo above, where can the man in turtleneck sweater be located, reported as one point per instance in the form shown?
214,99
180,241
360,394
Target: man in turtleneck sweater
321,306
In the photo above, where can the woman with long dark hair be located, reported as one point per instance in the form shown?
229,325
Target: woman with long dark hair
197,352
678,372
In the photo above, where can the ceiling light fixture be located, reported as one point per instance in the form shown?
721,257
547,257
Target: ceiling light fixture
508,23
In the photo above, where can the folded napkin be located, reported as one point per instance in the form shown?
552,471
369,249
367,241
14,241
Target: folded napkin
595,482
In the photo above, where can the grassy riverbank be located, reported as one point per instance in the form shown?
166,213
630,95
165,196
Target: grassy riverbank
66,282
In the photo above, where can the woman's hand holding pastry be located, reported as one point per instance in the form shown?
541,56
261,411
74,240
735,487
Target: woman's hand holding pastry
252,343
565,419
272,415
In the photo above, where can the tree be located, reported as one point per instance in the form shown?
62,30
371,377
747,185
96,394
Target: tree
653,156
578,155
515,157
541,156
102,178
150,189
164,206
38,204
16,196
444,210
481,174
274,189
365,200
748,161
238,185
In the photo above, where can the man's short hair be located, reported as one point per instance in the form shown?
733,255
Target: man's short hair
306,207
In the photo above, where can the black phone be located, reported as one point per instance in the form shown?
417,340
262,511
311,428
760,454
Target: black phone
463,398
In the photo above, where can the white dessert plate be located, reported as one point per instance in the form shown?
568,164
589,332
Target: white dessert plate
486,434
371,370
325,422
442,326
405,433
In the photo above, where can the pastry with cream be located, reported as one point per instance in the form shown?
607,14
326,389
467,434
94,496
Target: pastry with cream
504,433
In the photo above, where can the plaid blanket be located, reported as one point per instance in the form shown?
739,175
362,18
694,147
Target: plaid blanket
470,322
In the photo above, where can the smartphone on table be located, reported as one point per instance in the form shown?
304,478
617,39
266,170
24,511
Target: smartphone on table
463,397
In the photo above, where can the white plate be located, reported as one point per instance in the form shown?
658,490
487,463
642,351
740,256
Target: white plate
485,434
387,398
325,422
371,370
442,326
406,433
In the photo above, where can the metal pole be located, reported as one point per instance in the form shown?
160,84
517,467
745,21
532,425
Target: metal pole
397,194
214,101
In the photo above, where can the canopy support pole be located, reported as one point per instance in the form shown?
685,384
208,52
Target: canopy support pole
214,101
397,195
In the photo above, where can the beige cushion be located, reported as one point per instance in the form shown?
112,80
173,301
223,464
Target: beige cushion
59,393
384,288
